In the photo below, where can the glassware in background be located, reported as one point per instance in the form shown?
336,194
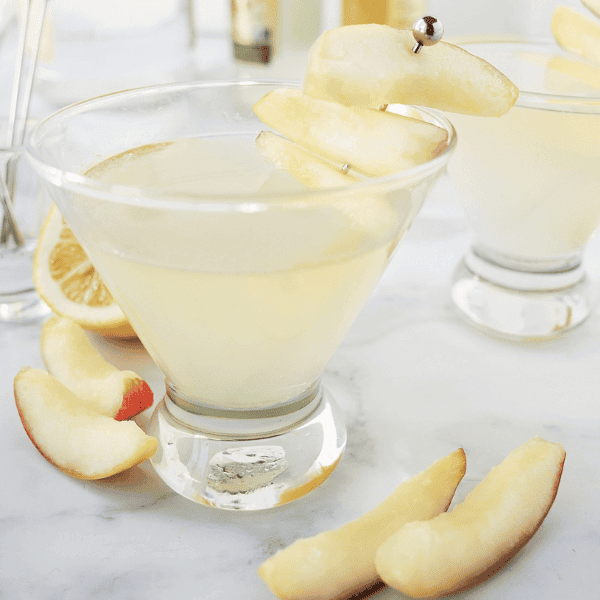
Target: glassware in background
397,13
93,47
270,38
241,296
529,183
19,302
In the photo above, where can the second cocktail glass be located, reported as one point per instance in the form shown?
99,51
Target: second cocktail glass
529,183
240,283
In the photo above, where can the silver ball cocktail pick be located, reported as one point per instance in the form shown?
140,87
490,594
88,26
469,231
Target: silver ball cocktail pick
427,31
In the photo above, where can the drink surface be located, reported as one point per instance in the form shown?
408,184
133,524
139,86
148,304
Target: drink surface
529,181
241,307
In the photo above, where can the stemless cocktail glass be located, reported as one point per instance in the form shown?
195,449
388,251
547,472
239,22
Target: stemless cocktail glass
529,183
240,283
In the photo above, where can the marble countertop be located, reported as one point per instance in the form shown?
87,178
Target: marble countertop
414,382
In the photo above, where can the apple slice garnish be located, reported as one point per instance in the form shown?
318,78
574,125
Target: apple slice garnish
341,562
576,33
306,167
73,436
373,65
461,548
371,142
70,356
593,6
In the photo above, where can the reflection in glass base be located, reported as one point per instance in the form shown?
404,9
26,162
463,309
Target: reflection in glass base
22,307
521,300
264,460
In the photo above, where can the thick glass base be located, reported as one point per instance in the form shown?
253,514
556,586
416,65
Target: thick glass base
521,300
22,307
248,460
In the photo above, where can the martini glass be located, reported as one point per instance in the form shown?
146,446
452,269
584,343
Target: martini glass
240,283
529,183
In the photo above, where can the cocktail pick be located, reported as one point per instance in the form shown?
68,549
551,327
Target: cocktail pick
19,109
427,31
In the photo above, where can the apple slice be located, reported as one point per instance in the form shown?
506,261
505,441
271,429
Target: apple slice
372,65
576,33
70,356
372,142
593,6
73,436
339,563
306,167
457,550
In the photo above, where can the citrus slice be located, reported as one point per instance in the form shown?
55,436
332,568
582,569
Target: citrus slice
68,282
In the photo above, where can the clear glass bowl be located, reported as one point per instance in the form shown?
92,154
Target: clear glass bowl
240,297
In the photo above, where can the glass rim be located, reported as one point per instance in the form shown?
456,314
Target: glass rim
251,202
544,100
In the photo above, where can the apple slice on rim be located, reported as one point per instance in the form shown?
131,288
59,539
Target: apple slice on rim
70,356
576,33
71,435
459,549
306,167
340,562
372,142
593,6
373,65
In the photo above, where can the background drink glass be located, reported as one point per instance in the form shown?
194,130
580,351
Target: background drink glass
241,297
18,299
529,183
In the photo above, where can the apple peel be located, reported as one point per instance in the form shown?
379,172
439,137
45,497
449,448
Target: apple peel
70,357
73,436
459,549
339,563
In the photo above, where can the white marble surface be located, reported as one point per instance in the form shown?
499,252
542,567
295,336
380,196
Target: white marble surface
414,383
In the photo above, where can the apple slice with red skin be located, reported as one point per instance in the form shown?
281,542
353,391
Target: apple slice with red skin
70,356
462,548
73,436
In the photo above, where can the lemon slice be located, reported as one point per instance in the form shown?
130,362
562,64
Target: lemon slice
68,282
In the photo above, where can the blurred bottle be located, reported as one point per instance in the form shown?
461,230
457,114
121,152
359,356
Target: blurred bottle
254,29
396,13
272,37
403,13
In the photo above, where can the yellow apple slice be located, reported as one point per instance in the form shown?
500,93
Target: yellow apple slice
70,356
371,65
593,6
71,435
576,33
372,142
339,563
306,167
459,549
371,213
